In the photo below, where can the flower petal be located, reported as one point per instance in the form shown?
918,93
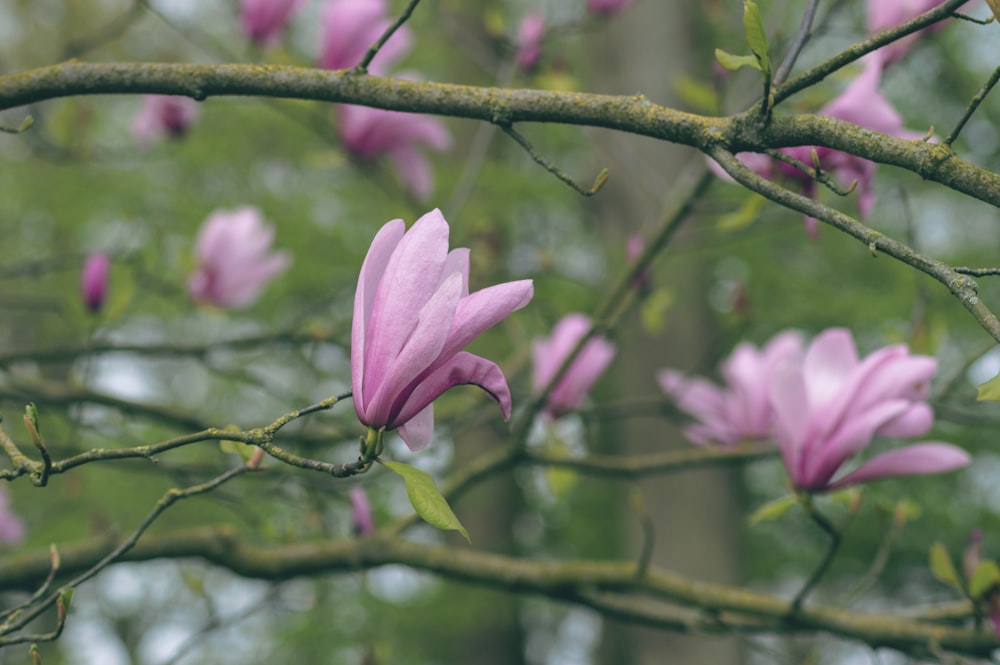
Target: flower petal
918,459
463,368
382,247
418,431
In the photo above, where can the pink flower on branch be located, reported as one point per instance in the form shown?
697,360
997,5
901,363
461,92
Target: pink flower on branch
361,512
548,355
413,315
163,116
94,280
886,14
369,133
350,27
235,262
741,410
264,20
829,406
529,40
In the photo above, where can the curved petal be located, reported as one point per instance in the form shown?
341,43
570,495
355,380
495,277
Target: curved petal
463,368
381,249
401,296
418,430
413,169
418,353
918,459
915,421
588,366
791,418
480,311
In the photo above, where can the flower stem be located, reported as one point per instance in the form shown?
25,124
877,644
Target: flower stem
831,552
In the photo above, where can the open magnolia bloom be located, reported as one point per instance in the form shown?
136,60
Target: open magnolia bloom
829,406
741,409
548,355
413,315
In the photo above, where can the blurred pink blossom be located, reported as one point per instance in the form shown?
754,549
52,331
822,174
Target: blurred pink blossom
860,103
413,315
163,116
548,355
369,133
235,262
350,27
361,512
607,7
830,405
529,40
885,14
11,526
264,20
741,410
94,280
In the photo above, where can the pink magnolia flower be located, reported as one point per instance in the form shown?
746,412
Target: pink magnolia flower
94,280
234,258
529,40
607,7
263,20
368,133
350,27
885,14
860,103
11,526
549,354
163,116
413,315
829,406
741,409
361,512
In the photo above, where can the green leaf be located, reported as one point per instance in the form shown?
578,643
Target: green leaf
772,510
986,576
653,310
942,567
753,26
734,62
989,391
426,498
696,94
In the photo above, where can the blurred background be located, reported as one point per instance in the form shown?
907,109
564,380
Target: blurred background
150,363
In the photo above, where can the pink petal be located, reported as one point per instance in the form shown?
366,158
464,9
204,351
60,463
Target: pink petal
381,250
418,431
918,459
401,296
463,368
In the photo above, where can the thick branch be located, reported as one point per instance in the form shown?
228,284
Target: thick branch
632,114
562,580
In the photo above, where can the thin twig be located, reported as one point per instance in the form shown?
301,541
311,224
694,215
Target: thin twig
973,105
803,36
389,32
599,181
977,272
816,174
824,565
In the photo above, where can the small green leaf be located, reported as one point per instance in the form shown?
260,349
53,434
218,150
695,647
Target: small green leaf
426,498
696,94
753,26
772,510
653,310
743,216
734,62
942,567
989,391
986,576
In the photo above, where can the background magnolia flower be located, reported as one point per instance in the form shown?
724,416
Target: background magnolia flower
235,261
264,20
529,40
607,7
11,526
94,280
549,354
361,512
350,27
829,406
163,116
860,103
368,133
741,409
882,15
413,315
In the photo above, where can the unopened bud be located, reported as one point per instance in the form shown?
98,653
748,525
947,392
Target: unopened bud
94,280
